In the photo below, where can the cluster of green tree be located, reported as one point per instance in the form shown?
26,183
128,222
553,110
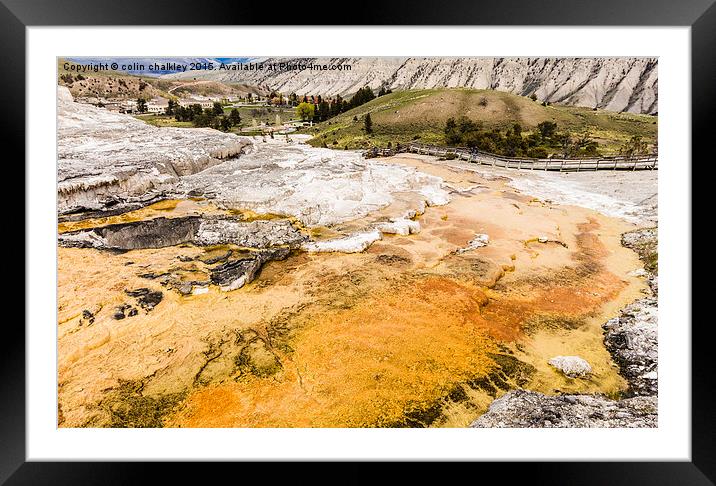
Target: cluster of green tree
321,109
362,96
384,91
513,142
213,117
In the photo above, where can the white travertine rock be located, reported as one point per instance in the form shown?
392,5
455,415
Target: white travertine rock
354,243
400,226
320,187
571,366
478,241
106,157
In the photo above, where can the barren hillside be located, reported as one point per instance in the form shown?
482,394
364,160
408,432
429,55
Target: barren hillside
614,84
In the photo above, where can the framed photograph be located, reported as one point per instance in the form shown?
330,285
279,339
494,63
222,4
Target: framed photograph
257,235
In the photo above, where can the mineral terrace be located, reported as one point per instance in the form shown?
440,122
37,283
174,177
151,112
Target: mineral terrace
211,280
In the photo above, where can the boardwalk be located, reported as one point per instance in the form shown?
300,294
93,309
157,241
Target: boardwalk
648,162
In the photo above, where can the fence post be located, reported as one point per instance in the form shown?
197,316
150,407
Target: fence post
579,165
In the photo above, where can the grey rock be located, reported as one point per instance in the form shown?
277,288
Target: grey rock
234,274
211,260
184,288
151,233
202,231
146,298
119,312
87,317
526,409
252,234
632,340
644,242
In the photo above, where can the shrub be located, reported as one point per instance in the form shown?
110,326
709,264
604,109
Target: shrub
537,153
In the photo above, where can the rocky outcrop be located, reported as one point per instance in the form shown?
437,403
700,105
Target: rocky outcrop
151,233
615,84
234,274
644,242
632,340
253,234
200,231
264,240
632,337
525,409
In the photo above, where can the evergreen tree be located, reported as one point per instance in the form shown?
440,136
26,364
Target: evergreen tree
195,111
235,117
324,110
202,120
362,96
368,124
141,105
337,105
226,124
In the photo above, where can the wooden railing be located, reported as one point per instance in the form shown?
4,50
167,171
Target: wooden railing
642,162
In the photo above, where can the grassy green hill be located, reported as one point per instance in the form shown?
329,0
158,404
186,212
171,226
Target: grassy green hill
421,115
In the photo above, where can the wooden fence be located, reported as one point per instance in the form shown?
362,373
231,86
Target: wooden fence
646,162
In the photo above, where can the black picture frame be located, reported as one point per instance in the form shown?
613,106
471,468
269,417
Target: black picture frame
15,15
